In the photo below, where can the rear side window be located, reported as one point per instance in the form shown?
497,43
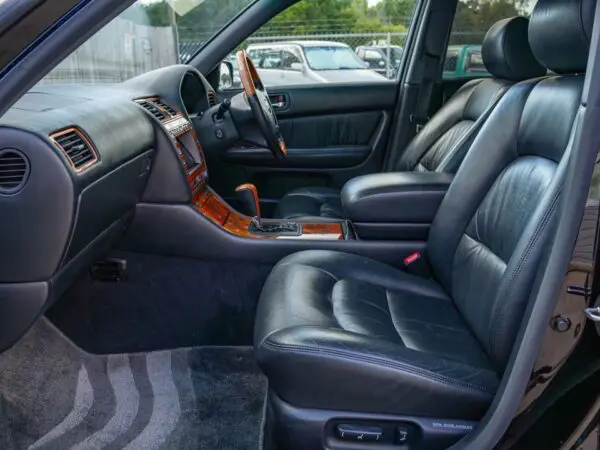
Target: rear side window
475,62
472,21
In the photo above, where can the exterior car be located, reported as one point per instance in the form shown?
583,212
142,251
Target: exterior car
309,62
464,61
383,59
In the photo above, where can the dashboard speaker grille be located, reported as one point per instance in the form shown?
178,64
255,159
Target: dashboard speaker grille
77,148
212,99
153,109
14,171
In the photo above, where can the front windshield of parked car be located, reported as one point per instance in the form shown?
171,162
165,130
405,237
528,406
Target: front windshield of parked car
333,58
148,35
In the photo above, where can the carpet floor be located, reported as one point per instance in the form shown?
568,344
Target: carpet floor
53,395
164,303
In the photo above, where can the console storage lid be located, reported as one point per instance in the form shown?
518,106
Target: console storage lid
399,206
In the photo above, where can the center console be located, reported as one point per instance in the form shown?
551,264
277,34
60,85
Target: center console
211,206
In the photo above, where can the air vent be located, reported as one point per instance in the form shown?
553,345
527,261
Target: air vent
212,99
77,148
14,171
172,112
153,109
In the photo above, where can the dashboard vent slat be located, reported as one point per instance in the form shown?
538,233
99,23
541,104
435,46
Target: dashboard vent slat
76,148
14,171
212,99
170,110
153,109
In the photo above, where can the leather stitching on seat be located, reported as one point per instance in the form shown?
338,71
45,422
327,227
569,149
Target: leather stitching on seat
373,360
514,275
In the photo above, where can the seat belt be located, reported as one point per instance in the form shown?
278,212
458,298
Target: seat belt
430,74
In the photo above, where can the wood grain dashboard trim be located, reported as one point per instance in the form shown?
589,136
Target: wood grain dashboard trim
216,210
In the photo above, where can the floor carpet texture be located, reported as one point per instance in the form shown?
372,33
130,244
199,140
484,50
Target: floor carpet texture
55,396
163,303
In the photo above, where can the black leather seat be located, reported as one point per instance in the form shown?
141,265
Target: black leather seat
442,143
340,332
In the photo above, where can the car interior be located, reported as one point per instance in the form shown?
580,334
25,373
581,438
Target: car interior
343,267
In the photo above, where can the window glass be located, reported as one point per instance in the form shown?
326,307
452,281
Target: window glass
475,62
150,34
332,58
336,38
288,58
373,54
472,21
451,60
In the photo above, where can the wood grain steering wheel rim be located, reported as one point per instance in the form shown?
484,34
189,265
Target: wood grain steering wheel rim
260,103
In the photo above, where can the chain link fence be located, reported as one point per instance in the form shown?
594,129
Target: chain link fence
381,51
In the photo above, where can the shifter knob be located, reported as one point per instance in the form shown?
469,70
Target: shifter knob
248,194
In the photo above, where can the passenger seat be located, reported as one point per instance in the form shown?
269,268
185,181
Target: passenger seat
443,143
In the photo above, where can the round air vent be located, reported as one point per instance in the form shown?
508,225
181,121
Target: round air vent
14,171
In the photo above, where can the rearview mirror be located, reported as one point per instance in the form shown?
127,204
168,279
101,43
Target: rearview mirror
297,67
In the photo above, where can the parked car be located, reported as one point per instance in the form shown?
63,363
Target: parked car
308,62
464,61
383,59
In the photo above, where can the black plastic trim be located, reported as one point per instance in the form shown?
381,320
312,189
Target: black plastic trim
292,428
178,230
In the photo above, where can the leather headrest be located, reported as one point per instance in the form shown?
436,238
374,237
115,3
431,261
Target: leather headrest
506,52
560,32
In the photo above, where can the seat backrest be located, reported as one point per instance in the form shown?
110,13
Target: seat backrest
442,144
488,236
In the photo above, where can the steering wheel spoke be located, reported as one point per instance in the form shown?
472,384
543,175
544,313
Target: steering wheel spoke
258,99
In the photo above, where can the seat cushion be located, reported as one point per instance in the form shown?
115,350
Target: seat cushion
310,202
344,332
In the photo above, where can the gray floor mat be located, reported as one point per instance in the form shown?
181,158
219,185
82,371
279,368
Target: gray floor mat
55,396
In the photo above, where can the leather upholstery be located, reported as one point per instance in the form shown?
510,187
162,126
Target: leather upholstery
443,143
504,54
401,197
356,325
573,22
310,202
339,331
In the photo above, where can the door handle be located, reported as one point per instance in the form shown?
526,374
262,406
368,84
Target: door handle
279,102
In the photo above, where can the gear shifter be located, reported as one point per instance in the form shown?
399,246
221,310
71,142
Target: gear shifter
248,194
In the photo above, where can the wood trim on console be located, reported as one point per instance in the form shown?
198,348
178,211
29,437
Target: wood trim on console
216,210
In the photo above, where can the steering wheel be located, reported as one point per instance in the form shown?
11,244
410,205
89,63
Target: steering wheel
259,101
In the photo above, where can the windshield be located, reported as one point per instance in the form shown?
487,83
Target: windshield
148,35
333,58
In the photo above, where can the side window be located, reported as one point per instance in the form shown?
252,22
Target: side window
472,21
333,41
290,60
451,60
475,62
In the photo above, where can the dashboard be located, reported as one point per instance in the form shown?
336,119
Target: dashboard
75,161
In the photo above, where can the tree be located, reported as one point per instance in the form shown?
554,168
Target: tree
475,17
328,17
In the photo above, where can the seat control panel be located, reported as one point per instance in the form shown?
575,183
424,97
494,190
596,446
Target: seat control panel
410,433
359,433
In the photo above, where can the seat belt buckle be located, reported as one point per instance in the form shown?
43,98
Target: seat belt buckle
416,265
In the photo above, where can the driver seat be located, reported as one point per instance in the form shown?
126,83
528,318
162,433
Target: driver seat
442,144
347,340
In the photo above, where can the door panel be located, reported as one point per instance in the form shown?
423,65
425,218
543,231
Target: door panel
333,133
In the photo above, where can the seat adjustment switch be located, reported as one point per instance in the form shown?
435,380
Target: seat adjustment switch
359,433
